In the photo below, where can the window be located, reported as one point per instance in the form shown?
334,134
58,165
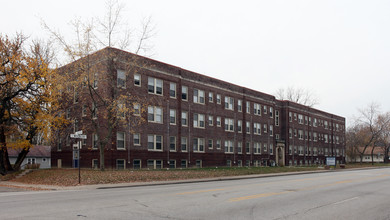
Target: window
155,86
210,144
271,112
198,120
31,161
271,130
306,120
315,122
172,164
95,164
239,147
121,110
183,144
300,134
265,147
155,142
136,109
198,163
94,141
257,109
59,145
184,118
120,140
315,136
229,103
172,90
257,148
218,121
248,107
229,124
290,132
172,143
218,99
228,163
218,144
271,148
136,139
95,81
120,164
211,97
276,118
198,96
256,128
248,127
137,79
290,116
265,126
239,126
326,138
248,148
136,164
239,105
265,109
239,163
228,146
172,116
198,144
121,79
84,111
300,119
94,110
155,114
183,164
295,116
210,120
184,92
155,164
75,96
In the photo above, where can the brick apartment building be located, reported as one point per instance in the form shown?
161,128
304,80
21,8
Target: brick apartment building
192,120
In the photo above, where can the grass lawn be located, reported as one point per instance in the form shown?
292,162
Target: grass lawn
69,177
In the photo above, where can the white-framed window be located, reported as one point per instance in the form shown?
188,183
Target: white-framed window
172,164
257,109
276,118
120,140
198,144
210,120
300,119
271,112
228,146
239,147
155,86
315,122
155,142
198,96
229,103
183,164
172,90
31,160
198,164
121,78
155,114
219,99
95,81
120,164
121,110
248,107
239,105
184,119
248,127
94,110
84,110
137,79
265,128
239,126
198,121
290,116
295,116
229,124
184,93
172,116
265,109
271,149
155,164
172,143
211,97
184,144
137,109
326,138
247,147
315,138
210,144
306,120
265,147
228,163
137,164
300,134
95,164
94,141
218,144
218,121
271,130
257,148
257,128
136,139
290,132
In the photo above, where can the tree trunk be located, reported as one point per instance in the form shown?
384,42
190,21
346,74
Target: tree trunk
372,156
101,153
386,156
5,165
22,155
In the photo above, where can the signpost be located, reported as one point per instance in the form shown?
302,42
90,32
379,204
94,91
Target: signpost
331,161
76,150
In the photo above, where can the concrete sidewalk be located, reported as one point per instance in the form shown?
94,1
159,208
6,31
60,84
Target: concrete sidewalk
34,187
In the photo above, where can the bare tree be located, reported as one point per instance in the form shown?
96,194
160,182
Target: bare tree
113,106
299,95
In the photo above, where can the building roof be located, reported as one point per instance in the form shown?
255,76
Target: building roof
35,151
377,150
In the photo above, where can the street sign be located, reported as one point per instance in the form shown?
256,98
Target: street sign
78,132
80,136
331,161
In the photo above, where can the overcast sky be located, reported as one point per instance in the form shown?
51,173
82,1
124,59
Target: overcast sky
340,50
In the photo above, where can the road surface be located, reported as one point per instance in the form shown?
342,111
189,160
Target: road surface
358,194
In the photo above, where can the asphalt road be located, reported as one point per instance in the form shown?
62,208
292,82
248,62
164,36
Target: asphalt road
359,194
